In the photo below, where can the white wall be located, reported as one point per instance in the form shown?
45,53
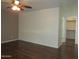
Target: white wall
62,30
76,33
40,27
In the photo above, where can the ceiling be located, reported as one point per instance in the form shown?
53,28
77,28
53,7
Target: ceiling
42,4
37,4
69,2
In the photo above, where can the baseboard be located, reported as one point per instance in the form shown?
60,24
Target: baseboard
8,41
54,46
31,43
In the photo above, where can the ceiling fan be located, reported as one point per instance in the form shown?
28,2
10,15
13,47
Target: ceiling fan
17,5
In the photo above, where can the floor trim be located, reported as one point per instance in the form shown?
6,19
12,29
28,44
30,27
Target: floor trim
8,41
40,44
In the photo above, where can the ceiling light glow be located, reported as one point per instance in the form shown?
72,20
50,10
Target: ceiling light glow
15,8
16,2
18,9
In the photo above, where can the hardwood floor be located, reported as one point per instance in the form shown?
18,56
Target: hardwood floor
9,49
27,50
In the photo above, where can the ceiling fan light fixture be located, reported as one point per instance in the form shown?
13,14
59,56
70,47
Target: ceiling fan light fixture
18,9
16,2
18,5
15,8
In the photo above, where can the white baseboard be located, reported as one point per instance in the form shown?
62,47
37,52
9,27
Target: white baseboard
8,41
39,43
6,56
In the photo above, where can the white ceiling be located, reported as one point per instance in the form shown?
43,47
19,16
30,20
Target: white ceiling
39,4
43,4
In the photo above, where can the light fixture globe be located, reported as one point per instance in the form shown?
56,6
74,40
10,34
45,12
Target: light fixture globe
18,9
15,8
16,2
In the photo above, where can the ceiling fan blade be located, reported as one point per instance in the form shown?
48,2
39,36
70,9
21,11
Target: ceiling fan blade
22,9
13,1
8,7
28,7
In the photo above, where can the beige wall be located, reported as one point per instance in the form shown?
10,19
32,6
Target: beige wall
40,26
9,25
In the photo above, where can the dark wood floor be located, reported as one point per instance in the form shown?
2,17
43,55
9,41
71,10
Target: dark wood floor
27,50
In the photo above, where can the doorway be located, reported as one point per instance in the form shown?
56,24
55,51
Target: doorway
70,30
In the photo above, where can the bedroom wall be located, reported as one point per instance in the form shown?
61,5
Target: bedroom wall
9,27
40,26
